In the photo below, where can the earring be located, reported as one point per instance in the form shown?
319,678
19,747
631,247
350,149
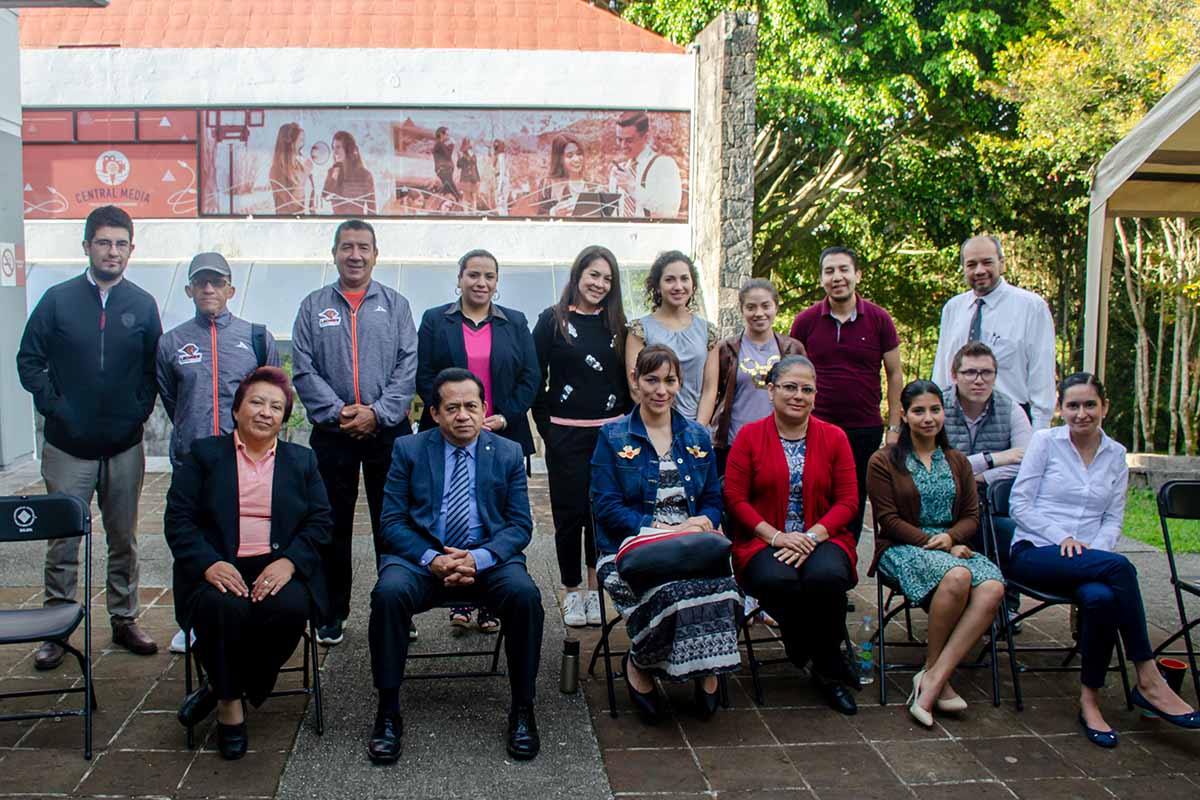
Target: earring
496,295
458,291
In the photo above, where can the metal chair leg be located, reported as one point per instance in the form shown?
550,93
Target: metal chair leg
316,680
496,652
881,651
1124,672
755,678
605,630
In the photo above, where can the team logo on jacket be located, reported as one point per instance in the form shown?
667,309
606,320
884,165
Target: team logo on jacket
329,316
189,354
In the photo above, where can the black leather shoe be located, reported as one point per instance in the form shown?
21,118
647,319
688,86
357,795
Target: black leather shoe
48,656
646,703
232,741
836,695
197,706
707,704
523,740
384,747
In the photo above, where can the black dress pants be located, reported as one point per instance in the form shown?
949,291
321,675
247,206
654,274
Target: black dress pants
808,603
242,644
506,589
569,464
339,458
863,444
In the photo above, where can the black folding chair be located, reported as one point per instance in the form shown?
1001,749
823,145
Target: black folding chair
1180,500
493,672
310,677
887,612
41,518
603,647
1000,530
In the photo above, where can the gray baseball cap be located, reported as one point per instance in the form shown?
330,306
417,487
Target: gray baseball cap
209,262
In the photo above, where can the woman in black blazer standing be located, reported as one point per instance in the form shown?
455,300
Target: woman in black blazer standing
246,516
494,343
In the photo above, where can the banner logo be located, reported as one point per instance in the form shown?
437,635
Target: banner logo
112,167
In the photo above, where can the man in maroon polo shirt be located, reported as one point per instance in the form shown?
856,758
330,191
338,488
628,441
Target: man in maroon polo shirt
848,339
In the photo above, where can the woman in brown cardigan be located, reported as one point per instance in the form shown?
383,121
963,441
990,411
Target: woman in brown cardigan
926,510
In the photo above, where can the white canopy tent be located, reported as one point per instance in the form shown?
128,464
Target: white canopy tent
1152,172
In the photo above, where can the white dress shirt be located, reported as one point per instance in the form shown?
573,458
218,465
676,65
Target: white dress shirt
1056,496
659,189
1017,325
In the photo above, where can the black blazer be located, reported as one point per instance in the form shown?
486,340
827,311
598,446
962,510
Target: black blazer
514,364
201,521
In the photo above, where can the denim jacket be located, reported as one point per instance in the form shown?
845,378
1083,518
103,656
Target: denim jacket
625,476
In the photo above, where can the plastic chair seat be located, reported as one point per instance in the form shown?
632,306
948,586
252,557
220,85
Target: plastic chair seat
37,624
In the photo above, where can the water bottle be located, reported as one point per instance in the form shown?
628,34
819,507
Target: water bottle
866,650
568,682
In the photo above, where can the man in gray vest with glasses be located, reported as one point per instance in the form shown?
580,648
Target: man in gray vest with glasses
984,423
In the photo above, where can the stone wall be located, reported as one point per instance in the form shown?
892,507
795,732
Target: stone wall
723,180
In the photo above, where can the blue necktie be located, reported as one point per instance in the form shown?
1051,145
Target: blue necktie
457,530
976,334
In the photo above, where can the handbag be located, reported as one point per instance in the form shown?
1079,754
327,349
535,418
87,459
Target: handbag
654,557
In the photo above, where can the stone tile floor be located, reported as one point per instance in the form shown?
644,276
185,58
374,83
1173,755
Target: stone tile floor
790,747
793,746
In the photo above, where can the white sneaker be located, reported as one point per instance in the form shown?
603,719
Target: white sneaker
591,607
573,613
177,643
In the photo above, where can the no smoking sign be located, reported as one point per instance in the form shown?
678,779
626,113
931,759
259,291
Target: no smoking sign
11,268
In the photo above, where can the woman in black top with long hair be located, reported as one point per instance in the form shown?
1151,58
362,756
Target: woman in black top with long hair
579,343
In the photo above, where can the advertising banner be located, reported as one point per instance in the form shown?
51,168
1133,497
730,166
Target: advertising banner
601,165
66,181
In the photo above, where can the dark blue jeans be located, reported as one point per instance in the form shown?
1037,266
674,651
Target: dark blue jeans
1106,589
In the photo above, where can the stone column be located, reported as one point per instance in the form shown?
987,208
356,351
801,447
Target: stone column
722,210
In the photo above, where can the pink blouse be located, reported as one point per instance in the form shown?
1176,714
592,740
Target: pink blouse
479,359
254,500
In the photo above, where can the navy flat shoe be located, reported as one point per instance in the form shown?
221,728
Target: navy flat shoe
1190,720
1107,739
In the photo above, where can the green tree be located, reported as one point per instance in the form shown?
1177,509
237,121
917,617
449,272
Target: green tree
845,88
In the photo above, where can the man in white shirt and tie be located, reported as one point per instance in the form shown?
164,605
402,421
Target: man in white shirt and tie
648,181
1015,323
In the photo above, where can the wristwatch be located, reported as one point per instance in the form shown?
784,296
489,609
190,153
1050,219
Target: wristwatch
991,462
812,536
893,428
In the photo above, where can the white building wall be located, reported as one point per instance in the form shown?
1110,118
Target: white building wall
416,255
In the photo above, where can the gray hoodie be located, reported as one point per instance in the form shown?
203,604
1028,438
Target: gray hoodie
368,356
184,368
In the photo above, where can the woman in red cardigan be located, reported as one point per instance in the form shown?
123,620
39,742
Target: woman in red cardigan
790,489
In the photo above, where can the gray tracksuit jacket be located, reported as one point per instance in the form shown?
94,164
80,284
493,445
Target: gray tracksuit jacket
341,355
198,367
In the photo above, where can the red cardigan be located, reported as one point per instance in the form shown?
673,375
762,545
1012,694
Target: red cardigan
756,486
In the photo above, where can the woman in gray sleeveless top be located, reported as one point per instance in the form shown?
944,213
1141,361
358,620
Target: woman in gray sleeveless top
670,290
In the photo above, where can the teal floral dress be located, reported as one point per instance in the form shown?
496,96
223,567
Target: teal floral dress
920,571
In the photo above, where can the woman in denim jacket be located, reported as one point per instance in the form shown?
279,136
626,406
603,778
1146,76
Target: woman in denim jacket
656,469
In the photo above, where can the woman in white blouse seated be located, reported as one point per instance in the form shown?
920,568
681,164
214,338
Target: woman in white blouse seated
1069,503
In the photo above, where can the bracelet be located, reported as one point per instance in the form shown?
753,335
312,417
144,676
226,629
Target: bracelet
773,538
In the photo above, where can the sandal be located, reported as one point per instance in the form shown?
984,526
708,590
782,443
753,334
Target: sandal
460,616
487,621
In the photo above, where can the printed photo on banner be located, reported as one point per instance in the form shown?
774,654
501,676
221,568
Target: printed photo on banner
445,162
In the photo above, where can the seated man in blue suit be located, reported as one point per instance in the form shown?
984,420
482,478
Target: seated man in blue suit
455,522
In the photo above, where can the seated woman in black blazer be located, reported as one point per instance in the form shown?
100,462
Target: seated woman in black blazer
493,342
246,514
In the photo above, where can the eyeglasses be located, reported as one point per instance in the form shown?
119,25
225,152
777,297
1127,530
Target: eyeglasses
216,283
789,389
978,374
108,244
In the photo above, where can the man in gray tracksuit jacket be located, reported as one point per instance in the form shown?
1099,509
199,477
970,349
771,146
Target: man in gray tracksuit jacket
201,362
354,354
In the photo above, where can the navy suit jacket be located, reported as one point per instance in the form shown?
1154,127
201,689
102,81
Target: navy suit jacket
412,499
515,374
202,522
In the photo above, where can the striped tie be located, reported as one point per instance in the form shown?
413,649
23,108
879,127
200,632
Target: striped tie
457,530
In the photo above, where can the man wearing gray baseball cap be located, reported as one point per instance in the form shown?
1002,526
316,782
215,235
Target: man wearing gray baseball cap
201,362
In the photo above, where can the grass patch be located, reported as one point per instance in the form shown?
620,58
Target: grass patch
1141,523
